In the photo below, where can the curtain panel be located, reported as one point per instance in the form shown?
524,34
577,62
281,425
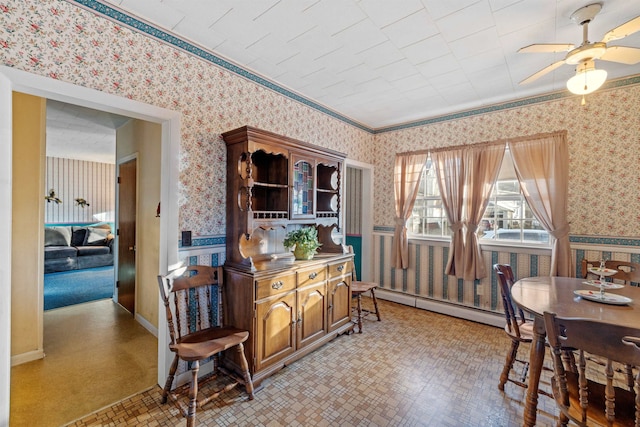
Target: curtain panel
407,172
450,172
541,167
482,165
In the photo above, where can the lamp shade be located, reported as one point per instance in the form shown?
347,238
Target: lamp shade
587,79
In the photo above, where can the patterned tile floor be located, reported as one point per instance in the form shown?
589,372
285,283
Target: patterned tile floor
414,368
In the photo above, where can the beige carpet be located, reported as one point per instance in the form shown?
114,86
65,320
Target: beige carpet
96,354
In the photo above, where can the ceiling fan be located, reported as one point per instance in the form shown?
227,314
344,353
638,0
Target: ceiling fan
588,78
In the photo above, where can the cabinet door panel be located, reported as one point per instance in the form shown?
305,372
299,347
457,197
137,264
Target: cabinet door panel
339,302
312,320
275,329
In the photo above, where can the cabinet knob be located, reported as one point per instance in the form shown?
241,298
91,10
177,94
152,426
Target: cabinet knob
340,267
313,275
277,285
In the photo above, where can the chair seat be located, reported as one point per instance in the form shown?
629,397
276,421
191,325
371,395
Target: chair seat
361,287
207,342
526,332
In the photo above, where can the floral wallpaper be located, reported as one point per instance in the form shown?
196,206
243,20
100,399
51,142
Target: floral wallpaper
604,155
57,39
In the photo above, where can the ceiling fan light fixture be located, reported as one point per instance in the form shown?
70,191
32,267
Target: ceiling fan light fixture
587,79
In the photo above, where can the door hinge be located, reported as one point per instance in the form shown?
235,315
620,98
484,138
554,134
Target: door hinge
118,232
117,283
118,180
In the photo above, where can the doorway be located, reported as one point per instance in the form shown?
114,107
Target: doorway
12,80
359,215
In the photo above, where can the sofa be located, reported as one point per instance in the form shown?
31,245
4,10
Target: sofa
72,247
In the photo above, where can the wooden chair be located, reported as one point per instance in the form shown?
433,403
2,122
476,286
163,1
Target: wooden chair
189,296
517,328
628,272
357,289
579,397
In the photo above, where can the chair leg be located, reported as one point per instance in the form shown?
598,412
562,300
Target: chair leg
508,364
169,382
193,395
359,306
248,384
628,369
375,304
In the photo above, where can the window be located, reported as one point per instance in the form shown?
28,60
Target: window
428,217
507,218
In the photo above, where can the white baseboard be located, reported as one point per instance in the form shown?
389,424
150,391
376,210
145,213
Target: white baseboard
147,325
479,316
29,356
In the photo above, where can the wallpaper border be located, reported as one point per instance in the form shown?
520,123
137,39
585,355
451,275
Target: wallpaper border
117,15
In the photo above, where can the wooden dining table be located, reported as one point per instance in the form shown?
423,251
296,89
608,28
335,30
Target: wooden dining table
556,295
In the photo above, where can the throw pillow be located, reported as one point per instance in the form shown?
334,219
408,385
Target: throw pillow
78,236
96,236
57,236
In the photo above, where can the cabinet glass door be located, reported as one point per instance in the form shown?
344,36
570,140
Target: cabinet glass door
302,200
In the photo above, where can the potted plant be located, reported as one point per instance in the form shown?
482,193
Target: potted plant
305,240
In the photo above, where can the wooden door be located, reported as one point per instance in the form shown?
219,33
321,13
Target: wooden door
339,302
275,335
312,318
127,185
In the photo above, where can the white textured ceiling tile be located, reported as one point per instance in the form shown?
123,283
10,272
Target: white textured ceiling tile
333,16
286,22
475,44
425,92
439,66
412,82
496,76
444,81
501,4
374,86
238,28
361,36
467,21
398,70
266,68
462,94
270,48
440,8
233,52
383,13
381,55
523,14
488,59
411,29
201,11
425,50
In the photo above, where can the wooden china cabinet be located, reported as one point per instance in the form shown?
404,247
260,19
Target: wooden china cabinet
290,308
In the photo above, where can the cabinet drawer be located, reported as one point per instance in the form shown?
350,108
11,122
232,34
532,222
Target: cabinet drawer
311,275
340,268
275,285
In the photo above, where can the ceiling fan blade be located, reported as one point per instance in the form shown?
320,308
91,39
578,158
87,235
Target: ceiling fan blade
546,48
623,30
622,54
542,72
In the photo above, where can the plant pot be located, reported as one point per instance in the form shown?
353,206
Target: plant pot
303,253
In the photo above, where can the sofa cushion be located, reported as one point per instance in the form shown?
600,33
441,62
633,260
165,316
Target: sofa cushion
78,236
55,252
57,236
92,250
96,236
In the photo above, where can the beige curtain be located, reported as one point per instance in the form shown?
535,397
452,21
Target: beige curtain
542,166
482,165
406,182
450,172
